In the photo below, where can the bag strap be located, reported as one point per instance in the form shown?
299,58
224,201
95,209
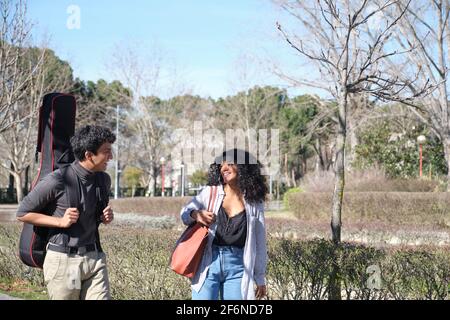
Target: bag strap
101,194
71,186
39,135
212,198
73,193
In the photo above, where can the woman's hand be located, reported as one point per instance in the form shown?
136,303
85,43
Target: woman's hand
204,217
261,292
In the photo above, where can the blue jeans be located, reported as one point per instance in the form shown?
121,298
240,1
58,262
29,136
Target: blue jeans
224,276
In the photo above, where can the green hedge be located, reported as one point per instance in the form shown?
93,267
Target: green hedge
392,207
138,267
302,269
10,265
288,194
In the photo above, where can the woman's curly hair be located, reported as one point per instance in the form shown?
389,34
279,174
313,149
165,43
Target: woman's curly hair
250,180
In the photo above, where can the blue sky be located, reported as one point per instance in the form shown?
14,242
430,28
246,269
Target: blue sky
204,38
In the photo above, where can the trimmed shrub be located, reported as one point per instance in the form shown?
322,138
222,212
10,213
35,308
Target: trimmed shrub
138,267
417,274
391,207
288,193
369,181
137,263
10,265
302,269
299,271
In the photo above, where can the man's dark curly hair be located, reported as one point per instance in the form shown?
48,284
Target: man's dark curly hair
90,138
250,180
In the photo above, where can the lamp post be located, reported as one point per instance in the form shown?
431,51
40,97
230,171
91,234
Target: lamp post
182,178
117,167
173,188
162,160
270,187
171,182
421,140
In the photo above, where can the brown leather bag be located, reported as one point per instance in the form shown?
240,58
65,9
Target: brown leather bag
188,253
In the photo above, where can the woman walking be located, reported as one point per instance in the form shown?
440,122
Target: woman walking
234,262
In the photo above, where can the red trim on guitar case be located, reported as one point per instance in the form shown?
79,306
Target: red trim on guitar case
31,249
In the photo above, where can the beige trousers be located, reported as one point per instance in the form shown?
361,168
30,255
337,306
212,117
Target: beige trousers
76,277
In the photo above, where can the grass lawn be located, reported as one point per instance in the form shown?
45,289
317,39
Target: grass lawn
22,289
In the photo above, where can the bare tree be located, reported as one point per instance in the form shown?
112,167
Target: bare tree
255,108
15,71
252,107
22,78
18,140
349,63
148,118
300,145
426,25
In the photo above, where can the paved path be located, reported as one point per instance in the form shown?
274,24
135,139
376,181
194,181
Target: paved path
8,212
274,205
6,297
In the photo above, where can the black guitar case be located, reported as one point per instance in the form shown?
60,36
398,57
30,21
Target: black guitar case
56,127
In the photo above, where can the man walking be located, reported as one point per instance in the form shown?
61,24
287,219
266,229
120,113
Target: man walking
75,265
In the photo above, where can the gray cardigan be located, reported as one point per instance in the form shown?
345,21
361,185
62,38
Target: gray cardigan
255,250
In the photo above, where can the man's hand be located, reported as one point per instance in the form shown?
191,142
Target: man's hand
107,215
204,217
70,217
261,292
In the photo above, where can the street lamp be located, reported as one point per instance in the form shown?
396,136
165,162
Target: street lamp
182,178
270,187
117,167
162,160
421,140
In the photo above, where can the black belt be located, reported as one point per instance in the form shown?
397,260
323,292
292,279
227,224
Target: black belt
72,250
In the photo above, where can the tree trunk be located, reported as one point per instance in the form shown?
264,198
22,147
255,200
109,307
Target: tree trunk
148,193
353,143
293,177
304,166
278,189
446,143
338,195
319,160
153,181
339,179
19,186
286,175
330,152
11,183
323,161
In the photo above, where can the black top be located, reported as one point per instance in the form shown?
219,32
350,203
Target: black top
49,197
231,231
